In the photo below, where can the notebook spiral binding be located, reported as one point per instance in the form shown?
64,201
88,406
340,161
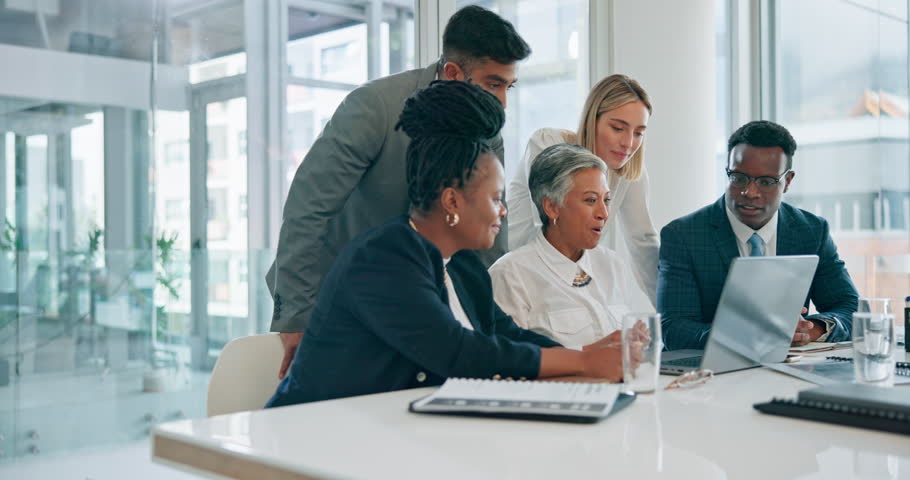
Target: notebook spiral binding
869,418
836,407
900,368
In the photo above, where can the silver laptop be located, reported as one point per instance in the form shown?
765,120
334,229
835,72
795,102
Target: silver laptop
756,316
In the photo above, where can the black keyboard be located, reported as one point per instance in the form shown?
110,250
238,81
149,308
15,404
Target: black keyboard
693,362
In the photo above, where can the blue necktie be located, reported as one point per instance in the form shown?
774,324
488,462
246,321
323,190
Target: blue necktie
756,242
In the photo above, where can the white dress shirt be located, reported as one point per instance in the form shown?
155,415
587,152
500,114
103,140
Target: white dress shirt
454,302
628,207
743,232
533,284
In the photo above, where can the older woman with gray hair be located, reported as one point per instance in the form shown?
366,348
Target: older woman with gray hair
563,284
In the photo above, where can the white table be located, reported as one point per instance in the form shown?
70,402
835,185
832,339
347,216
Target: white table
710,431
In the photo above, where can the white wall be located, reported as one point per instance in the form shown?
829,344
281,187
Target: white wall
670,48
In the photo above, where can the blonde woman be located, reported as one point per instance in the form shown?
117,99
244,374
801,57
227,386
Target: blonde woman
612,125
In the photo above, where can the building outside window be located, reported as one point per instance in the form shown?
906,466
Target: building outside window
841,88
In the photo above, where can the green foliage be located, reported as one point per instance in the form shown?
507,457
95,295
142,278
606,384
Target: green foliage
163,273
94,241
9,237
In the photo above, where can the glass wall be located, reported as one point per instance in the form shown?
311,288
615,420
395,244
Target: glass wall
125,189
93,341
841,87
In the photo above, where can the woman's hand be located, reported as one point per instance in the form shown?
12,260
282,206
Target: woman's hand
604,362
289,341
604,357
610,340
601,359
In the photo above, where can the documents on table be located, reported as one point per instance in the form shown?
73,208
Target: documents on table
577,402
820,347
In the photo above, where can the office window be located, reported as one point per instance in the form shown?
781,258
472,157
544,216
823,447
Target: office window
176,153
840,87
217,145
334,59
87,151
219,67
96,179
174,209
241,143
301,124
553,29
329,54
723,80
219,284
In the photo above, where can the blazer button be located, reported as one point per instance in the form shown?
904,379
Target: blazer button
421,376
497,377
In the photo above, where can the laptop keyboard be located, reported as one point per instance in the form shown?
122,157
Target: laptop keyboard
693,362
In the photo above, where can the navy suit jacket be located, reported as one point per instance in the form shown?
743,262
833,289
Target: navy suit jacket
695,255
382,322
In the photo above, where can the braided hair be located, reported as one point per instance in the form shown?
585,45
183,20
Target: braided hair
449,123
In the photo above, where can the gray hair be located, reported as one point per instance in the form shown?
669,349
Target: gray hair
553,171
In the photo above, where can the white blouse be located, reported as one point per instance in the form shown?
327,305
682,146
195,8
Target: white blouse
533,284
454,303
628,207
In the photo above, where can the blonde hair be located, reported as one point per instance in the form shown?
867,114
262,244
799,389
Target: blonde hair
609,93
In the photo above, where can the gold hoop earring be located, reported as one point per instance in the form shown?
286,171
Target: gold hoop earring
452,219
554,221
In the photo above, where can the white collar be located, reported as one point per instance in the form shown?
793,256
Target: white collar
558,263
743,232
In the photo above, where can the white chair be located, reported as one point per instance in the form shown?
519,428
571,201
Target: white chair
245,375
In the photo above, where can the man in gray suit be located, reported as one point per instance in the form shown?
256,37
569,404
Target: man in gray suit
353,177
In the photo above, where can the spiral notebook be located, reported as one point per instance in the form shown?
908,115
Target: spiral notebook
566,402
863,406
834,370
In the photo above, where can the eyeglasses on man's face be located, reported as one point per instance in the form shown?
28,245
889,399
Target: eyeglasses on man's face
763,183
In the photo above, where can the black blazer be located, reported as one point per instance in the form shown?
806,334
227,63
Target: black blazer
382,322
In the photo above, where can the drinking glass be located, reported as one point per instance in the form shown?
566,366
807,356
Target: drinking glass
874,305
873,348
641,333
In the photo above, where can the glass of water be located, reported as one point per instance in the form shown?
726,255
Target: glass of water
641,346
874,305
873,348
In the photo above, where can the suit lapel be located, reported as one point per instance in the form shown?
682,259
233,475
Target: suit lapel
724,239
789,232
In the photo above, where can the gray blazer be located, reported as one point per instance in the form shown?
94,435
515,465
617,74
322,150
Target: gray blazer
352,179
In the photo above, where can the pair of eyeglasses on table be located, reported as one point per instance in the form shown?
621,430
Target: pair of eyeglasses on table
691,379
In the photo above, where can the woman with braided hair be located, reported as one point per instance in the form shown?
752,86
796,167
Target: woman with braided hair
407,304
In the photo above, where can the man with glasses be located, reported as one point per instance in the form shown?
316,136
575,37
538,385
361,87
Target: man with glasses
749,220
